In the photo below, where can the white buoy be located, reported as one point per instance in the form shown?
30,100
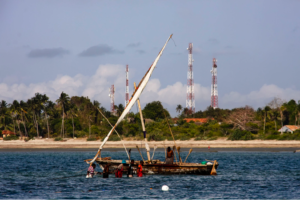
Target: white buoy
165,188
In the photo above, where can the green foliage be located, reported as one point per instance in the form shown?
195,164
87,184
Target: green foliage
58,139
34,115
290,136
81,134
155,111
241,135
114,137
11,137
91,139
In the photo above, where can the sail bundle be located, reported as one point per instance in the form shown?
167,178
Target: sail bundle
138,91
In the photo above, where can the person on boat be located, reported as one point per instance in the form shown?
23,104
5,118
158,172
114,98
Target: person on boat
170,156
140,169
119,171
91,170
130,169
106,170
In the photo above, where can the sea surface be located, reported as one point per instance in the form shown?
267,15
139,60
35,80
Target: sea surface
61,174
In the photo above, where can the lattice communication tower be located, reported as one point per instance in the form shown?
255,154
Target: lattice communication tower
112,99
214,87
190,95
127,87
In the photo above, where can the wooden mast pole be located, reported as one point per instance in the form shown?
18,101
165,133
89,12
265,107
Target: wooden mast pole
143,126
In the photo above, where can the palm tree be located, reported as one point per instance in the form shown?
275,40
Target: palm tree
73,112
48,106
23,106
265,111
178,108
281,110
3,112
15,111
298,109
96,105
119,109
274,115
186,111
63,101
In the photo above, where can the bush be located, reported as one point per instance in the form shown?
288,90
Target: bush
58,139
241,135
155,136
91,139
212,138
289,136
11,137
272,137
114,138
199,138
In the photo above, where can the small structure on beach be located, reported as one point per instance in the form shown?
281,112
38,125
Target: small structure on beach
289,128
6,133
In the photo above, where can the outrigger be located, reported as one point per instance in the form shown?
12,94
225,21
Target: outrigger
151,166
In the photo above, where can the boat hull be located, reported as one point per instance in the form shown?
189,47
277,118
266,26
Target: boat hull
160,168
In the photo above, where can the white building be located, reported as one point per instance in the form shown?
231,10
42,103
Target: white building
289,128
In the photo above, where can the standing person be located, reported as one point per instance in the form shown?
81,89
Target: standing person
119,171
91,171
106,170
140,169
170,156
130,169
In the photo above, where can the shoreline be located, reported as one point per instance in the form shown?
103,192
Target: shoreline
81,144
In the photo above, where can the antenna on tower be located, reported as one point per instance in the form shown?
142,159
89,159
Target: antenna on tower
190,95
127,87
112,99
214,87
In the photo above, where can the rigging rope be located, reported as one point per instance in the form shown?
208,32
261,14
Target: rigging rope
115,131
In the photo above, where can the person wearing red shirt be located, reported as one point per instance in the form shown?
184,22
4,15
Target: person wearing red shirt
140,169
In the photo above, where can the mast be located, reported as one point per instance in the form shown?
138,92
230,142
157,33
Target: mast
144,129
136,94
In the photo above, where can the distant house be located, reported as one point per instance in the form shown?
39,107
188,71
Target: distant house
289,128
6,133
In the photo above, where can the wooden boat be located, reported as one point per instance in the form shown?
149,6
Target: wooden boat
157,167
151,166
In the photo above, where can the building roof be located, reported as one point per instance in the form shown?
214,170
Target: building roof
201,120
6,132
291,127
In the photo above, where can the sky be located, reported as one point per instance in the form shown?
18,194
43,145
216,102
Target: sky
83,47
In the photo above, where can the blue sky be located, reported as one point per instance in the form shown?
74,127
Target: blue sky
82,47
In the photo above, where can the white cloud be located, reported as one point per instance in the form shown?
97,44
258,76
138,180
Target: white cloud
259,98
96,87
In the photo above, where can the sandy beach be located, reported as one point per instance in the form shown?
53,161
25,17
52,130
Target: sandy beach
83,144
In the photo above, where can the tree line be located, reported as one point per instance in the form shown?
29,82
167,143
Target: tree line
70,117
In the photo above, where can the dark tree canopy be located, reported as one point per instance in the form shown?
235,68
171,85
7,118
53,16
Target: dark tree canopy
155,111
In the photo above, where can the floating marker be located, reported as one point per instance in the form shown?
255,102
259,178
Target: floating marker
165,188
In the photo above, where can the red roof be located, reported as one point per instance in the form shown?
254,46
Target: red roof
7,132
201,120
291,127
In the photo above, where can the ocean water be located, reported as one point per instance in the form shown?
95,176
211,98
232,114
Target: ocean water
61,174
